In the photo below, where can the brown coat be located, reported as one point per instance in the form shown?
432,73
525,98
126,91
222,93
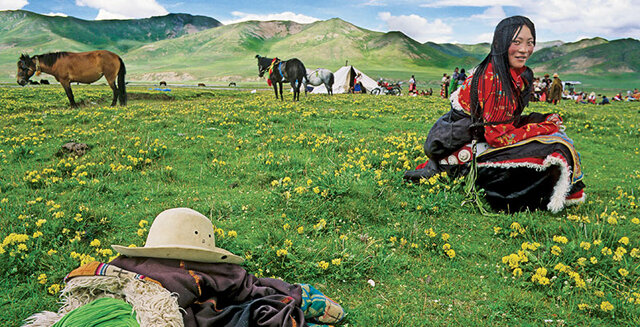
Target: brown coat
555,94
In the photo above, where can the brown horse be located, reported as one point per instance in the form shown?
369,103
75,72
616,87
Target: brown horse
83,67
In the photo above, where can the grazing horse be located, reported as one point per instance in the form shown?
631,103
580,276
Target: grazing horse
319,76
291,71
83,67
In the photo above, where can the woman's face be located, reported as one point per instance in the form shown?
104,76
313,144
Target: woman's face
521,48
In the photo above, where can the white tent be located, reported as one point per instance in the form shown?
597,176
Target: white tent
343,80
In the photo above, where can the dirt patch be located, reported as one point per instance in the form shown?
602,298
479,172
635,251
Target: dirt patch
164,76
268,30
7,46
149,96
581,63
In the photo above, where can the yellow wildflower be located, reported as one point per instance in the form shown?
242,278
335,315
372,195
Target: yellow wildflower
430,233
606,306
560,239
585,245
623,272
451,253
54,289
336,262
42,279
624,240
323,265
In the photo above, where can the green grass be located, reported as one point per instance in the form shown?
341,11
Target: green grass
325,174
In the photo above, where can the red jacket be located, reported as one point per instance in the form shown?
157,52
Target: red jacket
495,108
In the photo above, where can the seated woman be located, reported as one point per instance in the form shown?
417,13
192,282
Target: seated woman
523,161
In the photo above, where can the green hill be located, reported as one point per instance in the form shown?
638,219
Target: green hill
228,52
26,32
181,47
590,56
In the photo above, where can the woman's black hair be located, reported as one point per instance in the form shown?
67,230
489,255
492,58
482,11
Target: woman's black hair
504,34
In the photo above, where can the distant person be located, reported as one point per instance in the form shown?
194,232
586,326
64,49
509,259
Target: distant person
592,98
617,97
461,77
604,101
555,92
445,86
412,85
357,84
455,74
546,87
455,77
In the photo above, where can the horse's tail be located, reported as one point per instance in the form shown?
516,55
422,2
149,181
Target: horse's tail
122,92
331,80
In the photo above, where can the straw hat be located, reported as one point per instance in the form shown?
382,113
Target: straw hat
181,233
555,75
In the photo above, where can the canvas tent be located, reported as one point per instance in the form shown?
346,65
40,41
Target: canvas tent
343,80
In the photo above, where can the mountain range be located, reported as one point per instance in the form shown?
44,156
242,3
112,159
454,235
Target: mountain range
183,47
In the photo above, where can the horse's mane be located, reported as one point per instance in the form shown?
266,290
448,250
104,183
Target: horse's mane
50,58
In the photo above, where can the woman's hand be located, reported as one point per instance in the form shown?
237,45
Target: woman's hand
557,120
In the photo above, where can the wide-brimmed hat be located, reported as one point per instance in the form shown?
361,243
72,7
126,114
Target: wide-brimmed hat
555,75
181,233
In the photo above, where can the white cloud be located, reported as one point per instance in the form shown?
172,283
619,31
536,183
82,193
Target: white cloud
124,9
483,38
558,18
418,28
606,18
375,3
12,4
473,3
287,15
494,14
56,14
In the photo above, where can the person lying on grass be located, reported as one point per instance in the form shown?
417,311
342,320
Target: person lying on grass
180,278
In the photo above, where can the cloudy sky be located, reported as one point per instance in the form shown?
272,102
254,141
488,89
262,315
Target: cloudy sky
458,21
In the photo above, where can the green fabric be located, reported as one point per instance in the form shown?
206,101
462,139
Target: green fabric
103,312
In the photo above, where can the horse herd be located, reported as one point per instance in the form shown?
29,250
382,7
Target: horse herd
294,72
88,67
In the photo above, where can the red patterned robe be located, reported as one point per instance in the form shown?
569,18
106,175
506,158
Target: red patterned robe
500,109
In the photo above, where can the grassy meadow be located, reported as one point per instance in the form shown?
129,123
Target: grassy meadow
312,192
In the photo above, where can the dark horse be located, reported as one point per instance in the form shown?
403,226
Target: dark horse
291,71
83,67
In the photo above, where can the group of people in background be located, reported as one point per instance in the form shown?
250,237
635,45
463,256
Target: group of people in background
451,83
547,90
